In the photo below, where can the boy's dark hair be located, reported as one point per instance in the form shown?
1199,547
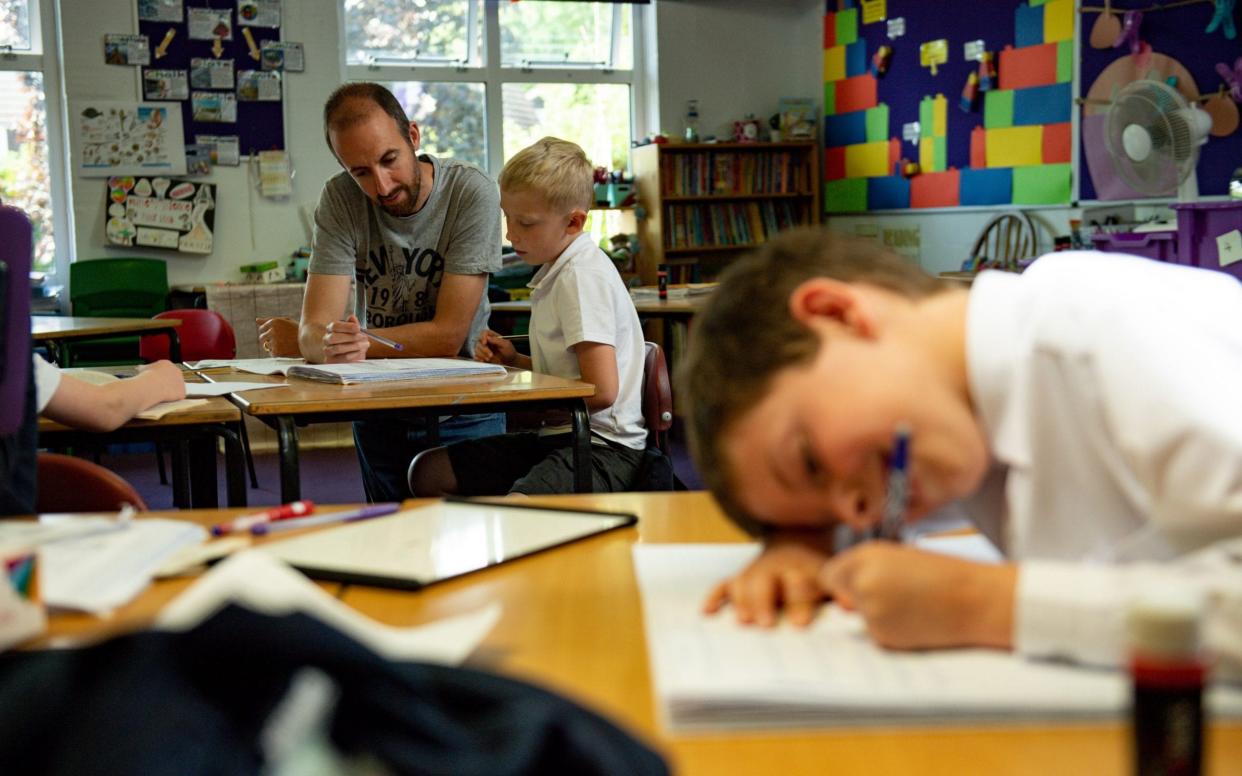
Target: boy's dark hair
339,113
744,335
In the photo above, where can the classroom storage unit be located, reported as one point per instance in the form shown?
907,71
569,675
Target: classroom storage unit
706,202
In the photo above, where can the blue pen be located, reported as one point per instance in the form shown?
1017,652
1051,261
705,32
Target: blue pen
384,340
898,495
374,510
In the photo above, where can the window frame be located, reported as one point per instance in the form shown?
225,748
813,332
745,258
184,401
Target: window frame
43,57
493,76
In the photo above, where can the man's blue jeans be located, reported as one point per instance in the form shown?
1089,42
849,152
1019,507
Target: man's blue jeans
387,445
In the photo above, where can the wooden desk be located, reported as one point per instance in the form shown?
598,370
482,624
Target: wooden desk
572,622
306,401
58,329
192,433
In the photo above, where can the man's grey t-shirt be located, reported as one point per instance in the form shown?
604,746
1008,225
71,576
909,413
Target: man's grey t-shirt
398,263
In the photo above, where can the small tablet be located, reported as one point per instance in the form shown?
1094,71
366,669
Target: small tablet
417,547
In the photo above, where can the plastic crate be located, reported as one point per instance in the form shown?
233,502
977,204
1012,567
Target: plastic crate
1161,246
1198,226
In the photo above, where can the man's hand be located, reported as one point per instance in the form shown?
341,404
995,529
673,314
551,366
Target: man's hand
164,381
913,599
495,349
344,341
279,337
784,575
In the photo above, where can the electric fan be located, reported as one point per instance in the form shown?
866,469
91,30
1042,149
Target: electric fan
1153,135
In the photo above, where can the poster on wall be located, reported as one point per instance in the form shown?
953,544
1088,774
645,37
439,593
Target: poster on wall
160,212
160,11
128,138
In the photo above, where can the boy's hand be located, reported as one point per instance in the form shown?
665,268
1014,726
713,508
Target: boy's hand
279,337
913,599
344,341
495,349
164,381
784,575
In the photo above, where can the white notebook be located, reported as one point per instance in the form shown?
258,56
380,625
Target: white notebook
390,369
712,673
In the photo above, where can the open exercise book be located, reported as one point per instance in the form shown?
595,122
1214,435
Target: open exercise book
370,371
712,673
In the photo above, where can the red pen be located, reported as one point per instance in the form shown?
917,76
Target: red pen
283,512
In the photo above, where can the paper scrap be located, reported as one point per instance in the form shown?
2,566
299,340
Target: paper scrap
263,584
223,389
896,28
254,366
1229,247
102,571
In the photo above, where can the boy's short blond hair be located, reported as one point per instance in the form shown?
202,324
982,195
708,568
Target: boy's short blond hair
745,334
556,169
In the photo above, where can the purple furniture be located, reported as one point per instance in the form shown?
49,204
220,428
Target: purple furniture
16,250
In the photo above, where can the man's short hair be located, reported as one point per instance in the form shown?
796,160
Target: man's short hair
556,169
745,334
347,106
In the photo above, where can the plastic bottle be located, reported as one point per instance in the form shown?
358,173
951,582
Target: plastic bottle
1168,673
692,121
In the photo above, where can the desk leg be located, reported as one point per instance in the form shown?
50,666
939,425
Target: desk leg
582,447
290,479
203,491
181,475
234,466
174,346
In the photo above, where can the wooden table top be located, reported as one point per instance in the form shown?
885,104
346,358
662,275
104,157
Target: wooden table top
573,622
308,396
60,327
218,409
684,306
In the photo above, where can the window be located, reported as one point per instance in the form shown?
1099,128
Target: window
29,178
484,79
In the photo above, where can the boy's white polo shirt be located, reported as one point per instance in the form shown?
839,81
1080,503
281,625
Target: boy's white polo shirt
580,298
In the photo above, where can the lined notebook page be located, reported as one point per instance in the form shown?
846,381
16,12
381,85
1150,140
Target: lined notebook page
711,672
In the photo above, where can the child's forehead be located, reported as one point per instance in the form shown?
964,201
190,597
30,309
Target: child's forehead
525,200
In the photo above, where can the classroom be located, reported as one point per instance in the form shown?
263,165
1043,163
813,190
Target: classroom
620,386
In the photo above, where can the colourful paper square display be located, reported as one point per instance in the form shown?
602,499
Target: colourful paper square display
877,123
847,27
935,189
848,195
1021,68
857,93
867,160
1046,184
830,29
1058,21
834,63
1015,146
998,108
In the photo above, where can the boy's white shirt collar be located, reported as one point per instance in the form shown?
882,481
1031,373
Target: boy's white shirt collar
992,365
548,272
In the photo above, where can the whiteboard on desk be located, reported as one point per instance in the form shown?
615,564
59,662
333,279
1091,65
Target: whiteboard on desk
417,547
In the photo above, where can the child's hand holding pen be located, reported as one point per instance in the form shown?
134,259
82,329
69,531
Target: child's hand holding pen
493,348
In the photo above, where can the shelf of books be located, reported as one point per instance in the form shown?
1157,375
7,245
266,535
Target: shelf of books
707,202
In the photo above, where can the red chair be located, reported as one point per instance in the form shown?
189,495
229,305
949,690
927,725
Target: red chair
657,397
68,484
204,334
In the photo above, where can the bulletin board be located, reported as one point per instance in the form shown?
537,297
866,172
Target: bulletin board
259,125
1012,146
1177,33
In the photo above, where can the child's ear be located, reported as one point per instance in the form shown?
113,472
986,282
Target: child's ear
823,299
577,220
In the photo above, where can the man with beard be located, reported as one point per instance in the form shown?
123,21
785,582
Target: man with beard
415,236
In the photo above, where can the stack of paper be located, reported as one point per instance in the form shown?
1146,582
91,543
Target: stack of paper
675,291
711,672
391,369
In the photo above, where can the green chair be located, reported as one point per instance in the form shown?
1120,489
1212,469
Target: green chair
114,288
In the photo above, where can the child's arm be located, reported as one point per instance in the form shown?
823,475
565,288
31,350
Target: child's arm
493,348
913,599
84,405
784,576
597,363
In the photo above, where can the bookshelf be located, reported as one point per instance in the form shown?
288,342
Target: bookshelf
706,202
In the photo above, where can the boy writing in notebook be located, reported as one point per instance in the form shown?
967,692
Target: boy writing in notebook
1084,415
582,326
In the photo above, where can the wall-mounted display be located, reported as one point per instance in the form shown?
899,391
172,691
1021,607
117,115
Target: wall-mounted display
160,212
113,138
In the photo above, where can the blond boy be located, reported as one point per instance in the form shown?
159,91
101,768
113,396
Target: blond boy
1084,414
582,326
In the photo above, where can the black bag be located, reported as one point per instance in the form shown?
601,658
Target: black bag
194,704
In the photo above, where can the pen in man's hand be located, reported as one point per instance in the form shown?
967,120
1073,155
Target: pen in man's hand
384,340
898,495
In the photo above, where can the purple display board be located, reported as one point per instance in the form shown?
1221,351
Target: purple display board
906,82
259,125
1177,33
